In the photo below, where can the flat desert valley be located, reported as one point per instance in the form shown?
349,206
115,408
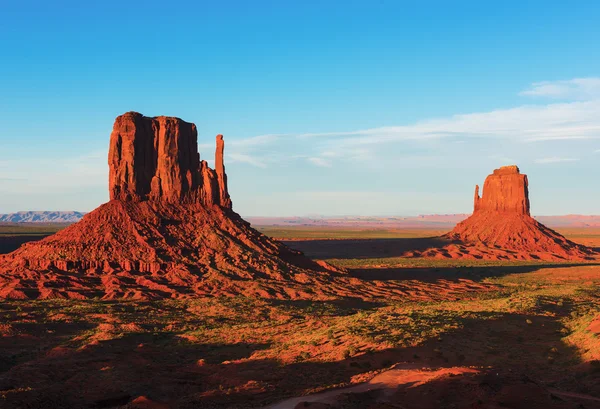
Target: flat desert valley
464,334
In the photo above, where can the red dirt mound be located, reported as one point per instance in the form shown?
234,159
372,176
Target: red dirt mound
168,231
154,249
501,226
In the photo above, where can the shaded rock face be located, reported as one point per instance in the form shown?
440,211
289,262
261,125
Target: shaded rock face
157,159
505,191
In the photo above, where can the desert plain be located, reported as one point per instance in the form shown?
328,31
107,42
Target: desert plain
465,334
165,297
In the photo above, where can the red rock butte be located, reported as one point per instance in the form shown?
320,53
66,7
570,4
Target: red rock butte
157,159
505,191
501,226
168,231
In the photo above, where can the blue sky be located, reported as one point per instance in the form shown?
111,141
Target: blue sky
332,108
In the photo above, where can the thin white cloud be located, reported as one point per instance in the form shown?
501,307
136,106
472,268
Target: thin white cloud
258,140
531,130
243,158
50,175
502,159
555,159
573,89
254,140
547,125
348,202
528,123
318,161
325,157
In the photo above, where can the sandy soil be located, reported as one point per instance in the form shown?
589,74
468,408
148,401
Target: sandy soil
459,336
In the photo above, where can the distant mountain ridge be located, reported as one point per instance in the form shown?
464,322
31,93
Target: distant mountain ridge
424,221
441,221
41,217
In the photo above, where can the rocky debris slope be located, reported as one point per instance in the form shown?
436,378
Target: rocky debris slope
501,227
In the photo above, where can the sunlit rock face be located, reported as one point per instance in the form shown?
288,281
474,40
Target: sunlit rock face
506,191
157,159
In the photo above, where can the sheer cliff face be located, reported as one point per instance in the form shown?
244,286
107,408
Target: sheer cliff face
157,159
504,191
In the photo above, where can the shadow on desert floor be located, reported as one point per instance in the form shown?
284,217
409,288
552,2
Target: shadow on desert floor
365,248
433,274
168,368
14,241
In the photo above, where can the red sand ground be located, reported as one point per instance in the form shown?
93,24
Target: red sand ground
62,356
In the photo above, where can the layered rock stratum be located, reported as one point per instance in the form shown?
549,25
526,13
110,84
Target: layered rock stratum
501,226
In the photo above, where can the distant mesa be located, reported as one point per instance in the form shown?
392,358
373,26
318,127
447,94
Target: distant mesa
168,231
501,226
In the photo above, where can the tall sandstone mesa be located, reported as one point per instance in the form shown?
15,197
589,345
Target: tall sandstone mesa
157,159
168,231
505,191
